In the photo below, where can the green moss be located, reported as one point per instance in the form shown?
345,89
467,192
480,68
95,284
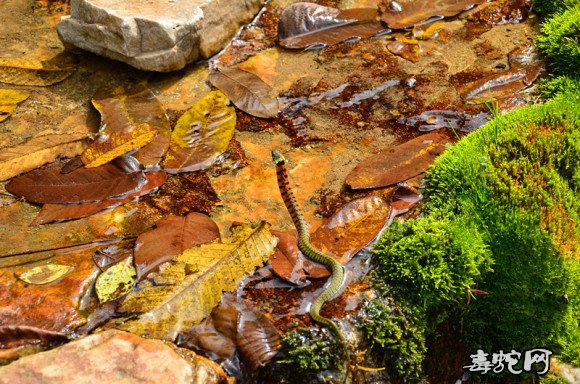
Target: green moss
547,8
400,336
309,349
517,180
559,41
432,262
558,85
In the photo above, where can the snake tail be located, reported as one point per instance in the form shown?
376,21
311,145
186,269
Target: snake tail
337,272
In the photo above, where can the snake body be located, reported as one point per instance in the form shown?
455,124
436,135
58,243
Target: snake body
337,272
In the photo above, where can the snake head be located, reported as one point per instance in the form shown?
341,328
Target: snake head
278,158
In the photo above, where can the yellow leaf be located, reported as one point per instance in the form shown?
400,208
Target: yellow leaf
39,151
187,288
45,274
9,98
29,71
116,281
201,134
108,147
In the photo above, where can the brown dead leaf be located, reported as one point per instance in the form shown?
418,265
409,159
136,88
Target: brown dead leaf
289,264
398,163
130,119
499,86
400,14
12,336
350,229
39,151
247,91
403,198
80,186
30,71
63,212
303,25
172,236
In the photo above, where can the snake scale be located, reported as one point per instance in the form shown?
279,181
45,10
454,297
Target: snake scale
337,272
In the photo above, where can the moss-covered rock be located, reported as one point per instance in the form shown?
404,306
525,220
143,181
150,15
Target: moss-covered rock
517,179
557,85
548,8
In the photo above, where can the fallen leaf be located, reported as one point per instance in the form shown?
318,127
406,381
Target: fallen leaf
398,163
201,135
12,336
110,146
247,91
430,120
289,263
403,198
45,274
171,237
499,86
38,151
106,257
406,48
427,31
131,118
352,227
400,14
234,324
80,186
188,287
9,99
29,71
303,25
64,212
116,281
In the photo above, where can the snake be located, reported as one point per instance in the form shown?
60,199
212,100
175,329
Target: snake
336,269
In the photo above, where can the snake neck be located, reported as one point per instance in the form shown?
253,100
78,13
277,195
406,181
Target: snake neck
290,202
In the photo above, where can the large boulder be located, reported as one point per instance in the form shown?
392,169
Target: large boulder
113,357
155,35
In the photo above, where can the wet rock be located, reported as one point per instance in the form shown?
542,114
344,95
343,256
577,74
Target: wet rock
155,35
113,357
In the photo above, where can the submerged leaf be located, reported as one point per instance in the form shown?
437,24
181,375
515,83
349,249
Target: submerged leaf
63,212
201,134
247,91
188,287
408,49
173,235
130,118
29,71
9,98
431,120
350,229
38,151
398,163
399,14
307,24
12,336
116,281
80,186
45,274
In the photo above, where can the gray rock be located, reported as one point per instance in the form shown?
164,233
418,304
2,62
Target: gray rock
155,35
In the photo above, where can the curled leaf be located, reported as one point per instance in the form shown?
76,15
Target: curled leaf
9,99
116,281
30,71
130,119
45,274
201,134
307,24
247,91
